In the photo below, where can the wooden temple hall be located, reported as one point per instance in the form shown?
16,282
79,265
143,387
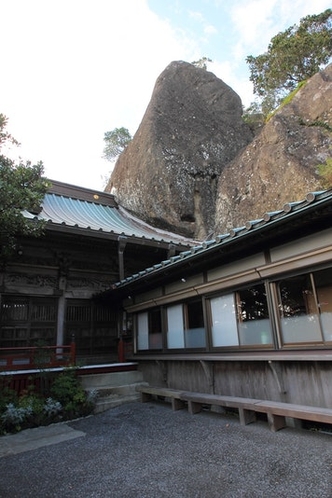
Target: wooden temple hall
242,321
48,291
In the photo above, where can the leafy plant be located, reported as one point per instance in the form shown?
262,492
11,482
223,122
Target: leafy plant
52,407
31,408
68,391
14,416
115,142
325,172
22,188
7,395
202,63
292,56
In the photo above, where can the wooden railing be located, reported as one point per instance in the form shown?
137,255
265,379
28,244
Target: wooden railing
26,358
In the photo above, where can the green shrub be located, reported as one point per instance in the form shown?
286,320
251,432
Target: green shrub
68,391
68,400
7,395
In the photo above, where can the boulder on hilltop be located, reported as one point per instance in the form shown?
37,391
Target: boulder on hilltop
192,128
195,168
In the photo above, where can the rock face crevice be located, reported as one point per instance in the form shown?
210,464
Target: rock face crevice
195,168
191,129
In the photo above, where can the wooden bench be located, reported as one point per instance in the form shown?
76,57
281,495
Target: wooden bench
147,392
244,405
277,411
247,407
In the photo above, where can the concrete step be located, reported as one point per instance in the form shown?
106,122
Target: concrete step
112,379
109,397
118,390
113,389
112,400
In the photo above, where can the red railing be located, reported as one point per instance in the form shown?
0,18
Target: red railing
26,358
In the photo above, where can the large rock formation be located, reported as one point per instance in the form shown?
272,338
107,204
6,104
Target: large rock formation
280,164
193,166
191,130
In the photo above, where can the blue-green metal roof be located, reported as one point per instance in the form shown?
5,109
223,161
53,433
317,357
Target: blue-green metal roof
79,210
289,211
60,210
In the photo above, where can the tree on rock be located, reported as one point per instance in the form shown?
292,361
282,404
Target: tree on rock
115,143
22,189
292,56
202,63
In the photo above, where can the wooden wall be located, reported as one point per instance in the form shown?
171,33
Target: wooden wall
300,382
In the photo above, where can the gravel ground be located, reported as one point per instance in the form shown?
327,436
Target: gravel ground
147,450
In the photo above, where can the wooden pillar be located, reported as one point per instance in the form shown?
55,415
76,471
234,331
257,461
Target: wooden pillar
60,321
122,241
61,312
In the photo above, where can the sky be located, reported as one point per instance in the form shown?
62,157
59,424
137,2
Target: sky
70,70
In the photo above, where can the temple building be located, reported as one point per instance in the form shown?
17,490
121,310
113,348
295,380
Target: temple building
247,314
48,288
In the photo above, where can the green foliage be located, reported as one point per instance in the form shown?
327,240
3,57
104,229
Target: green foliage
66,386
292,56
320,124
7,395
31,408
32,401
201,63
68,391
253,115
115,143
22,188
13,417
325,172
52,407
286,100
5,136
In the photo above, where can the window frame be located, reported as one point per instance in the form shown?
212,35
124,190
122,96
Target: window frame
32,328
314,344
234,296
147,315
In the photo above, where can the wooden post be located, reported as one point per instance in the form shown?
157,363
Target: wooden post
60,319
121,351
122,241
276,422
194,407
73,350
246,416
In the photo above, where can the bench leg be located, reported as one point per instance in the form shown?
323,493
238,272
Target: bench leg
145,397
194,407
246,416
276,422
177,404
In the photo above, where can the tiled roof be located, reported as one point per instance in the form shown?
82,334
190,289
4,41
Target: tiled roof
70,212
289,210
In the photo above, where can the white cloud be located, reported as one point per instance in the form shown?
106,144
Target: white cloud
75,69
257,21
208,28
253,19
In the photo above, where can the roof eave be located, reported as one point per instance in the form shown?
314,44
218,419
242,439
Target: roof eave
168,272
114,236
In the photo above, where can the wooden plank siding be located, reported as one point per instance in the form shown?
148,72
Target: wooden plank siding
301,382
